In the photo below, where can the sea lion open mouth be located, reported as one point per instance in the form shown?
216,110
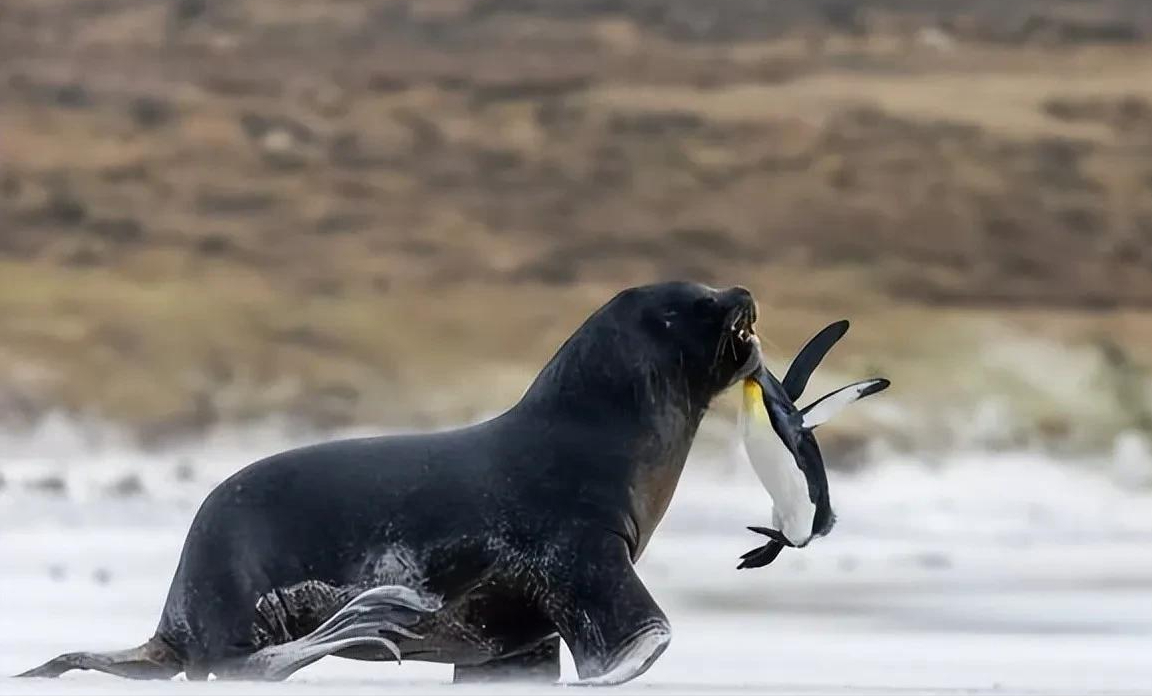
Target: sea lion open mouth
741,324
741,336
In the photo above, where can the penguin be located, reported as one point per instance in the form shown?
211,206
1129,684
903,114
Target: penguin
801,506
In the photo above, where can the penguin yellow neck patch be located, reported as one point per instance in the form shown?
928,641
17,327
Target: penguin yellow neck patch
754,400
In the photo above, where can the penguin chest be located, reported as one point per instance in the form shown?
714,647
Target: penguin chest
793,511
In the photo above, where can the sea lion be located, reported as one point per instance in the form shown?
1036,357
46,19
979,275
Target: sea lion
481,546
771,422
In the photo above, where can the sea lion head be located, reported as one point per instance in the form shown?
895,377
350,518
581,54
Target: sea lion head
637,378
675,342
704,335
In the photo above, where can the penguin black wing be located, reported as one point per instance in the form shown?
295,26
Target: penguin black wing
823,409
810,356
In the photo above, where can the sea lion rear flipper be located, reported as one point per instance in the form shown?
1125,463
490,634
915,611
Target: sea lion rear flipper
809,357
152,660
612,626
827,406
366,621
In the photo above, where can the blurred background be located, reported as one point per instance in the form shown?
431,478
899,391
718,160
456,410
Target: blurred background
232,226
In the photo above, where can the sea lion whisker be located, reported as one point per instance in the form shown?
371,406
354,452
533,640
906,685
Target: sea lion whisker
726,342
719,351
732,338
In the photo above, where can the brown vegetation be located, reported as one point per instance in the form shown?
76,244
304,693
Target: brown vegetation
215,210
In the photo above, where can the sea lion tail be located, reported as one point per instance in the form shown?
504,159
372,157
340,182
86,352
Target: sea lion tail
155,659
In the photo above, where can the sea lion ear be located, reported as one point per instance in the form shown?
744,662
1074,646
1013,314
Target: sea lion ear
827,406
809,357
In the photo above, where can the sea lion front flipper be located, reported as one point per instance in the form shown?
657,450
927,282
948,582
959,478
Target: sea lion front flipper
810,356
540,664
827,406
612,626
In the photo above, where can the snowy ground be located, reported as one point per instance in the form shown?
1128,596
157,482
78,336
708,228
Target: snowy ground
981,575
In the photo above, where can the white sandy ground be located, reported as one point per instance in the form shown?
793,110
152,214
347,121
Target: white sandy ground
980,575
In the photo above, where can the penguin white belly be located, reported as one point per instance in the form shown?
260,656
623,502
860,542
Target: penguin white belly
792,509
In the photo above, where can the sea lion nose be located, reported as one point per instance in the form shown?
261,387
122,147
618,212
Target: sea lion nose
740,296
740,292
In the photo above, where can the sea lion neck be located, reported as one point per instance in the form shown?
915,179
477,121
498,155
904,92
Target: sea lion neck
602,373
627,420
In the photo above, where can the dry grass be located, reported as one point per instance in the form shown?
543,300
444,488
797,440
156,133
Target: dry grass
1005,100
345,215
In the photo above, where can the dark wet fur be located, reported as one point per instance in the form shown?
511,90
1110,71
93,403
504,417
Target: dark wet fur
521,528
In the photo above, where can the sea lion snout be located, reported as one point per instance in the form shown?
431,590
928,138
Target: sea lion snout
739,294
741,307
741,315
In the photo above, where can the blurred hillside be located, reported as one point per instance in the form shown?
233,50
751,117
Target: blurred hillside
350,212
